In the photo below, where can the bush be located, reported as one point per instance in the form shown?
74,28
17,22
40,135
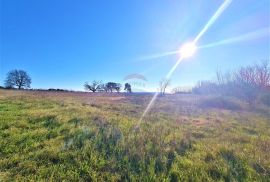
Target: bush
245,83
222,103
205,87
265,99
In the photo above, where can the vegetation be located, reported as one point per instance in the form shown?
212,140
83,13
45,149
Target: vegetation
94,86
18,78
97,86
247,83
219,131
127,87
163,84
71,136
111,86
181,90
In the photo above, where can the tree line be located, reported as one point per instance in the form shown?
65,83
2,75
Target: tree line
98,86
20,79
248,83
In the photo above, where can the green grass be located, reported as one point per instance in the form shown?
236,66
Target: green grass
84,137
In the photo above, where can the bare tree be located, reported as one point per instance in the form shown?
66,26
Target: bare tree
18,78
163,84
258,74
246,75
247,83
94,86
220,77
263,74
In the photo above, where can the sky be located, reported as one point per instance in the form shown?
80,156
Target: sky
64,43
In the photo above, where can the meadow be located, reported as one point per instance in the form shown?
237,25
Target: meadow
73,136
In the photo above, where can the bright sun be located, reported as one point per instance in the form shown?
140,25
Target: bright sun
188,50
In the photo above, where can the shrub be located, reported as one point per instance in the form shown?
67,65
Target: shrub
265,99
222,103
245,83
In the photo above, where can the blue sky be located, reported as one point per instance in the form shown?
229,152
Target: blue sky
64,43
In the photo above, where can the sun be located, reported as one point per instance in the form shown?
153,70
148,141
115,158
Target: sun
188,50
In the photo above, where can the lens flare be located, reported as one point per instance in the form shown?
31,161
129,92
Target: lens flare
188,50
212,20
260,33
174,67
159,55
245,37
148,107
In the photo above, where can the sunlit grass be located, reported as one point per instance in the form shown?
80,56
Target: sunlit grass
84,137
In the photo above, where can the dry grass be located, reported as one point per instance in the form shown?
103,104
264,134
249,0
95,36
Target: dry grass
92,137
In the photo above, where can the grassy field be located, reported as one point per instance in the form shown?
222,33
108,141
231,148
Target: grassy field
70,136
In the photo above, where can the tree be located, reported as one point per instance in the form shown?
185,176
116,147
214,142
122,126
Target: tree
111,86
247,83
257,75
128,87
118,87
102,88
163,84
94,86
220,77
251,81
263,74
18,78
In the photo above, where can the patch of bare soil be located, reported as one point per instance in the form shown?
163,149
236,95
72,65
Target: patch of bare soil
200,121
115,98
194,121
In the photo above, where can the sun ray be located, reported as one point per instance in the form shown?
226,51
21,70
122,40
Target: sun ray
169,74
148,107
264,32
159,55
212,20
246,37
201,33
